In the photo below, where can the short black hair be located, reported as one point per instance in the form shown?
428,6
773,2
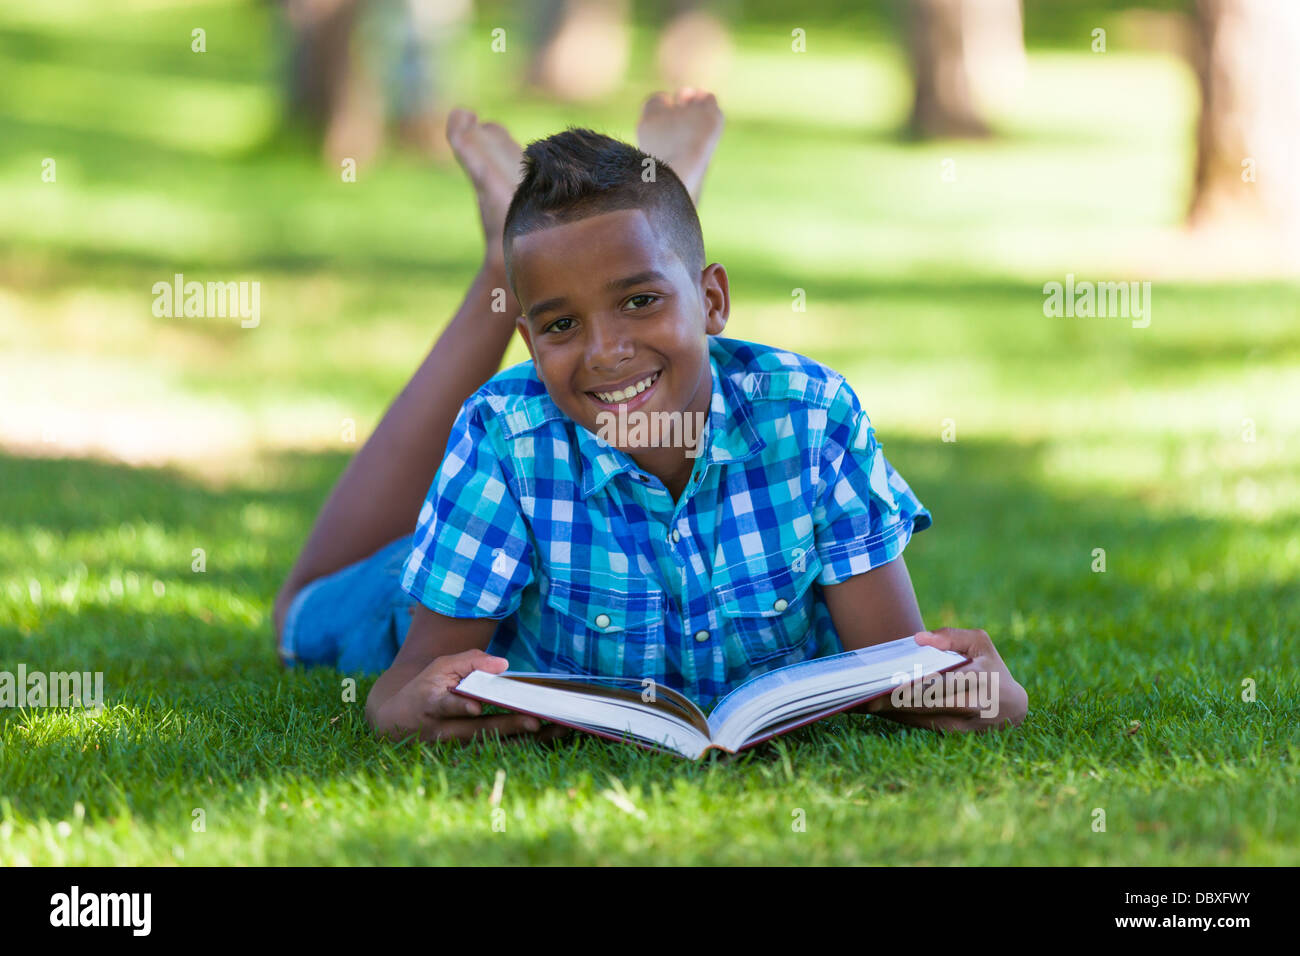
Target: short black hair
580,173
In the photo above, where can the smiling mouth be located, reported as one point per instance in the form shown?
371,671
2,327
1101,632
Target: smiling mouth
628,394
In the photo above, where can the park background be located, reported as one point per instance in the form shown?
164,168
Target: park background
1163,690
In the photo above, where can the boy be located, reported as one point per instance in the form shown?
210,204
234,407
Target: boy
642,499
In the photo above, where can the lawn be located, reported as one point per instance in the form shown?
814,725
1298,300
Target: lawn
129,441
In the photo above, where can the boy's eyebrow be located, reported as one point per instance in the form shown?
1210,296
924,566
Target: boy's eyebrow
559,301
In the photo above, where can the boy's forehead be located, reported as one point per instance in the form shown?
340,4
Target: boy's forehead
586,253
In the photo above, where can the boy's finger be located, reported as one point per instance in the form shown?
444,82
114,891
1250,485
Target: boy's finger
967,642
886,705
918,690
455,705
920,717
455,667
932,720
510,724
506,725
931,639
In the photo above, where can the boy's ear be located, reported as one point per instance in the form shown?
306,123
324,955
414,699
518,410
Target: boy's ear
717,298
521,324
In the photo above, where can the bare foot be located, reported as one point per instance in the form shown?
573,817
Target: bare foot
494,163
682,129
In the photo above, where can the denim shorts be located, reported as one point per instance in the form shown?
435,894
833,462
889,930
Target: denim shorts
353,620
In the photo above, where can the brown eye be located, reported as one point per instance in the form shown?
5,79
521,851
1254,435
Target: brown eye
644,295
553,327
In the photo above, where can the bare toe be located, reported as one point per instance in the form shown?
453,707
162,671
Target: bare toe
493,162
458,121
682,129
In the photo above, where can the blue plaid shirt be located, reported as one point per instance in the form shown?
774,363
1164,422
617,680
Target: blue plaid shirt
590,565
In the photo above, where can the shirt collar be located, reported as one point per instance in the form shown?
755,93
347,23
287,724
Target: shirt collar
730,437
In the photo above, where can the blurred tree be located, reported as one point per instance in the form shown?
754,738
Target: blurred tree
355,64
328,94
319,60
954,44
1248,142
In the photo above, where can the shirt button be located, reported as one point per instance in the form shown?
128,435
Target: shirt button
676,535
701,636
780,605
602,620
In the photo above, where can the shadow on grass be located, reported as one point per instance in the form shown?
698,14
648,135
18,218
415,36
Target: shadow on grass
201,688
1014,338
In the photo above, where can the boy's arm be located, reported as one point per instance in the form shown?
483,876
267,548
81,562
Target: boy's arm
415,694
874,607
880,605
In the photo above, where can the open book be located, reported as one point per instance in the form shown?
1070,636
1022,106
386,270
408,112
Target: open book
659,718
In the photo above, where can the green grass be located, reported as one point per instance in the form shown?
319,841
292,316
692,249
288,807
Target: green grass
1072,435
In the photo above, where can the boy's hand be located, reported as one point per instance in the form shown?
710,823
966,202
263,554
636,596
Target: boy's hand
959,710
427,705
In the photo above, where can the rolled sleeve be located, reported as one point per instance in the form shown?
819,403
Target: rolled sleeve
865,512
471,556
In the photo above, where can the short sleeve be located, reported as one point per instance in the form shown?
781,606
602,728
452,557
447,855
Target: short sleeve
472,554
865,512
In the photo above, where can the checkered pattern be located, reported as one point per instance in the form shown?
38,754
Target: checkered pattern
591,567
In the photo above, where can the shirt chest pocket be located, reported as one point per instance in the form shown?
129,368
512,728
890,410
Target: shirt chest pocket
613,631
770,606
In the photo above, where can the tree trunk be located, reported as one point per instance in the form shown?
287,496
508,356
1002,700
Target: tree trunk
320,59
954,45
1248,142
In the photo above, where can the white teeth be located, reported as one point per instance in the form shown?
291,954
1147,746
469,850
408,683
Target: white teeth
629,392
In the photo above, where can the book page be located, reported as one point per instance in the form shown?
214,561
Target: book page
621,715
773,692
671,702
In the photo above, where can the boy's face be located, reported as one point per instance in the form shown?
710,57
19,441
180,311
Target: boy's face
606,305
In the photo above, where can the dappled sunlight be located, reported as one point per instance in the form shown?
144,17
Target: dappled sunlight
80,727
874,92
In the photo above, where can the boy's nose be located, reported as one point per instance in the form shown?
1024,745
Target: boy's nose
608,347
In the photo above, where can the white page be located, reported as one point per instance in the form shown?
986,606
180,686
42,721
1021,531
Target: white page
613,716
769,692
